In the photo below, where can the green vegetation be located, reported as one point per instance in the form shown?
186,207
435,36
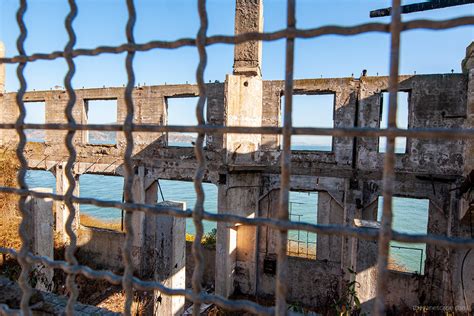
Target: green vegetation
349,304
209,239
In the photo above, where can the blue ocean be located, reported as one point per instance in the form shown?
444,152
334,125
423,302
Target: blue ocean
410,215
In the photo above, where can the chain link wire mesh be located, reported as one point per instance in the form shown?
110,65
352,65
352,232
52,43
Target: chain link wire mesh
70,266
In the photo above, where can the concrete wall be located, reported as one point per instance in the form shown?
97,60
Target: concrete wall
404,291
435,101
350,174
305,282
93,241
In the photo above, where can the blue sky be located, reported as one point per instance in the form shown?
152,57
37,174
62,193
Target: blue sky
103,23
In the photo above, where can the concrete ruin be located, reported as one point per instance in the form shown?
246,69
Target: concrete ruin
246,169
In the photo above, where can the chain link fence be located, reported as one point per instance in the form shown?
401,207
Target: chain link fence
198,214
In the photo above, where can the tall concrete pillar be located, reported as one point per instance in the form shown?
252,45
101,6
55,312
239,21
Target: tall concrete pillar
244,89
138,192
138,218
248,55
147,253
243,103
62,212
165,244
40,231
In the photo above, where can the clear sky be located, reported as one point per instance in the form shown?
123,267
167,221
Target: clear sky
102,22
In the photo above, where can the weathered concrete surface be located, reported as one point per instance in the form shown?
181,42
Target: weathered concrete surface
10,294
349,175
406,285
138,195
40,231
248,55
364,263
444,95
329,212
93,241
435,101
468,69
243,108
468,62
165,237
307,279
236,244
209,256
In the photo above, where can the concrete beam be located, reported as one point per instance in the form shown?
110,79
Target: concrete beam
248,55
40,231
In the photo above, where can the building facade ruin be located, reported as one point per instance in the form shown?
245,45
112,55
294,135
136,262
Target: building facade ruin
246,170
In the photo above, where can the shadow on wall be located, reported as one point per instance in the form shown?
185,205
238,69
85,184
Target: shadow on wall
93,241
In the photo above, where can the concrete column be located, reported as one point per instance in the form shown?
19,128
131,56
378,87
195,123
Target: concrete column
226,249
40,230
147,253
138,218
329,212
243,104
437,283
248,55
365,264
235,251
151,193
62,212
165,241
353,193
244,108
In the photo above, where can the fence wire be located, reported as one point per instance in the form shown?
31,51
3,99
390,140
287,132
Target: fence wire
198,214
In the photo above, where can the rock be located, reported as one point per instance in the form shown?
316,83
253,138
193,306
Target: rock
10,294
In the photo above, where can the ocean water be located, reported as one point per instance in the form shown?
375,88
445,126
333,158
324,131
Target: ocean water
410,215
111,188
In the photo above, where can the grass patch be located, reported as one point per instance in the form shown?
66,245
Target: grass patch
9,214
91,221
